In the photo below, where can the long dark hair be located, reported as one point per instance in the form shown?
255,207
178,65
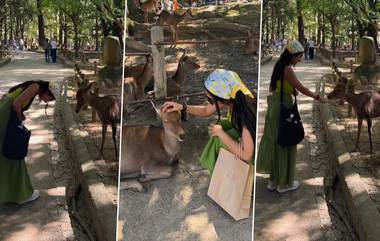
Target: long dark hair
43,87
278,70
243,111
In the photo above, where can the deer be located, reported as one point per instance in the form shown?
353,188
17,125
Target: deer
366,105
140,77
108,109
172,20
186,64
149,152
150,6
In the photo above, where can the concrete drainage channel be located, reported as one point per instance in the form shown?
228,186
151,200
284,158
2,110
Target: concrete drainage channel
344,188
87,191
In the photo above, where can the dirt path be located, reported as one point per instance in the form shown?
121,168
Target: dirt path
47,160
303,214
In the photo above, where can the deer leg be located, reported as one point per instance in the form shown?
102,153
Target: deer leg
104,132
369,124
360,122
132,184
157,171
114,128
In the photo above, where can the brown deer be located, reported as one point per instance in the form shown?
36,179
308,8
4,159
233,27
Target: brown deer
366,105
150,6
173,19
149,152
186,65
107,107
140,77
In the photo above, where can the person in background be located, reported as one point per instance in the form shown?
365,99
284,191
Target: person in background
306,47
47,50
311,48
53,51
21,44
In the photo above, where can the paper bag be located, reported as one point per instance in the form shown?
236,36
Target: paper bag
231,185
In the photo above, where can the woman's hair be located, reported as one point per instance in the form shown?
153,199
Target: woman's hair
43,86
243,111
278,70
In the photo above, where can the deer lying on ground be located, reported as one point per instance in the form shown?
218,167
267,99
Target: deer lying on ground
149,152
150,6
173,19
186,65
108,109
366,105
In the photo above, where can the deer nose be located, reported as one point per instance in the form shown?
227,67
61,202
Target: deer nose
182,136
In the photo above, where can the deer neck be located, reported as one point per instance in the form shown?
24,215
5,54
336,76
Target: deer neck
145,76
94,101
351,98
170,143
180,75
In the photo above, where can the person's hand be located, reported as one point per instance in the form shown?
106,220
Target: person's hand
296,92
170,106
215,129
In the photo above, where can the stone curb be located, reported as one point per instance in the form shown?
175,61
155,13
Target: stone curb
5,61
99,205
266,60
363,212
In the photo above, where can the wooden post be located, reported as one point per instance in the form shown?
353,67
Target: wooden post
158,52
95,68
352,66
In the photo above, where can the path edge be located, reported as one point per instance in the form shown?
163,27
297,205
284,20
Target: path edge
5,61
363,212
100,207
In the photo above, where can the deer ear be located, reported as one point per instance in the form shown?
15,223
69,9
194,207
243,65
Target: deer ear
89,86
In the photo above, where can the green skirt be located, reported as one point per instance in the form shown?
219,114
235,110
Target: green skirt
211,151
15,185
273,159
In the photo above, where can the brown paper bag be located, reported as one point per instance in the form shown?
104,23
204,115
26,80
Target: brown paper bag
231,185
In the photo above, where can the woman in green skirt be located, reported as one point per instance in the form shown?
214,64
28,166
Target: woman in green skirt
225,90
272,158
15,185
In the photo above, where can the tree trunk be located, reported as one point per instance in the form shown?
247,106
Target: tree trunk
97,32
65,31
41,24
301,31
319,29
352,35
333,23
278,27
5,29
272,25
60,31
267,31
76,38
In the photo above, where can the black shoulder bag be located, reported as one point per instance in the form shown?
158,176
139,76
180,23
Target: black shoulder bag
16,139
290,129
